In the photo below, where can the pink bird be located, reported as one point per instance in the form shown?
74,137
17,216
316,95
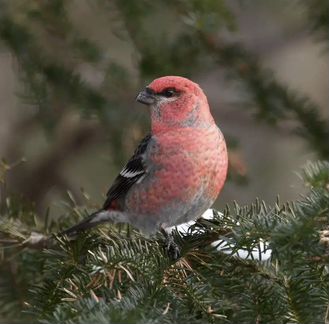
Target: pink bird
177,171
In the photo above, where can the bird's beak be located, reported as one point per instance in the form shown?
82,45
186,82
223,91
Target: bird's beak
146,97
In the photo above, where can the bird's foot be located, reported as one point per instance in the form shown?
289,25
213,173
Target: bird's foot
171,246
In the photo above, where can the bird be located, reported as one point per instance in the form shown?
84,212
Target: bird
178,169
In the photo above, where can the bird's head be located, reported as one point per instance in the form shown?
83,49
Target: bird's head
175,102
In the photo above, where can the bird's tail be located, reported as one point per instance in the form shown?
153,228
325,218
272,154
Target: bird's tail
96,218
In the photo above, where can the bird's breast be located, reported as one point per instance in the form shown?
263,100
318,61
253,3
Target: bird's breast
183,166
199,160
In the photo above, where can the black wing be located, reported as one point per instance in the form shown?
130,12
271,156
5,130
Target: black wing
131,173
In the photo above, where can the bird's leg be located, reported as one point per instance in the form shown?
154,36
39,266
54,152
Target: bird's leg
171,246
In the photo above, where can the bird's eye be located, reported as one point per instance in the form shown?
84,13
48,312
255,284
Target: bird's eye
168,93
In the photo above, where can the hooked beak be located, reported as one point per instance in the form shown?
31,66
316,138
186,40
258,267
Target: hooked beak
146,97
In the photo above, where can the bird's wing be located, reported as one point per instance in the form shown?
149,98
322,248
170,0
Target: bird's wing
133,171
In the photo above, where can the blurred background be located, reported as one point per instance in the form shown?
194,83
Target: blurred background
70,71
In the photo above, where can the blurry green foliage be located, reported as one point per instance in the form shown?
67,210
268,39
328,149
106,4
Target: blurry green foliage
54,56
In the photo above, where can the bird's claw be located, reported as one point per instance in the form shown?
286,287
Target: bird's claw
172,248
